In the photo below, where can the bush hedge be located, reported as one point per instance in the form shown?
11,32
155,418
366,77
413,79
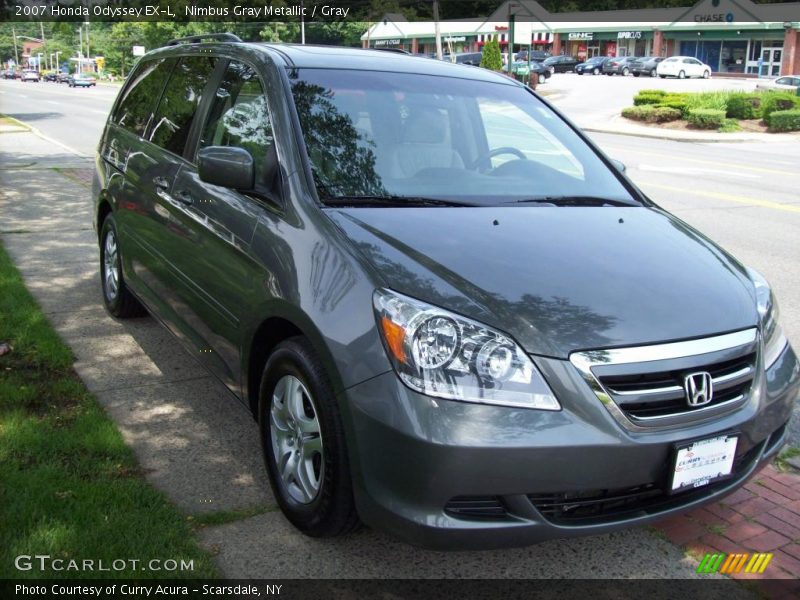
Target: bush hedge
706,118
742,105
774,101
641,99
784,120
651,114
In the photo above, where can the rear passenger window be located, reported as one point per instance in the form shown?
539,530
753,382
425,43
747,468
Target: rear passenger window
180,102
138,101
239,118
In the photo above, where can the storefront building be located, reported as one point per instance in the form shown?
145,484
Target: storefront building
734,37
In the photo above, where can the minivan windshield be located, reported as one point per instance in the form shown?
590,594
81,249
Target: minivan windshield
390,139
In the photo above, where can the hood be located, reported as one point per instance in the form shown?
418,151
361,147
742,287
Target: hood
558,279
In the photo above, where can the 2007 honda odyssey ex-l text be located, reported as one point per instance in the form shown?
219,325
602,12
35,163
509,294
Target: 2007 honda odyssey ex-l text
452,316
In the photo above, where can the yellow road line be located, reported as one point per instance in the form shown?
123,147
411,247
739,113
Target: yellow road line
737,166
721,196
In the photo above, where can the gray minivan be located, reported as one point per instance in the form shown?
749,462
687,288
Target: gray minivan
453,317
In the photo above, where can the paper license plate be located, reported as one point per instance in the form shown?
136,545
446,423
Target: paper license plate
703,462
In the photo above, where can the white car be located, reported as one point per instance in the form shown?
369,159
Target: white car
790,83
30,76
683,67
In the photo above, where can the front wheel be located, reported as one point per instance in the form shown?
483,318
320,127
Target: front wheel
117,297
625,72
303,443
682,75
542,78
596,71
706,74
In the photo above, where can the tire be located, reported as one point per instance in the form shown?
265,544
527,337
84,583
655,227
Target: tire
117,298
625,72
579,72
322,505
596,71
706,74
542,78
653,73
636,74
663,76
682,75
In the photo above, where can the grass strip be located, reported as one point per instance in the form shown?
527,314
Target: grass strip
69,486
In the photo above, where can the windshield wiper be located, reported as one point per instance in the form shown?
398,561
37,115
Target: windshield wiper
391,201
574,201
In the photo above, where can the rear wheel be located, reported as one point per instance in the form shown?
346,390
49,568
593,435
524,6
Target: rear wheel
625,72
303,442
595,71
117,299
682,75
636,74
653,72
663,76
542,78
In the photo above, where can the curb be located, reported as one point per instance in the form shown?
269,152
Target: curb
671,138
31,129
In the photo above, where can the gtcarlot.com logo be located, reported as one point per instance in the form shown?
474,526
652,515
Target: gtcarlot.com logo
734,563
45,562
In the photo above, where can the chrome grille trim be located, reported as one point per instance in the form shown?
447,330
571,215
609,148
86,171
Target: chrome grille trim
742,344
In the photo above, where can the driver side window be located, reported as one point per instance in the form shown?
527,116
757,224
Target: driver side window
239,117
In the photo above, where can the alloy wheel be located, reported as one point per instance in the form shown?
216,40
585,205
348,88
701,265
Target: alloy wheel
111,266
653,73
296,440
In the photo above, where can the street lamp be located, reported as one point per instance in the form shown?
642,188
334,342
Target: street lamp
58,65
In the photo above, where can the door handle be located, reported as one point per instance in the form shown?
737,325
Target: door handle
184,197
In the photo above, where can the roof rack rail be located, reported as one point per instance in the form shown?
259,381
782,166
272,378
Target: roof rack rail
197,39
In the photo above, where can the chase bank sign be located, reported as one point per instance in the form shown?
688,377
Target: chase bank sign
714,18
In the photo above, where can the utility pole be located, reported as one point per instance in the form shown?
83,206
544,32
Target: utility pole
302,23
439,54
80,51
44,45
88,50
16,54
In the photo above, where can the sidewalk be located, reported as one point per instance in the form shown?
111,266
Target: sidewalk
196,444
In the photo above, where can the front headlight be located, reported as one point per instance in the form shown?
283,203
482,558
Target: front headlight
445,355
774,339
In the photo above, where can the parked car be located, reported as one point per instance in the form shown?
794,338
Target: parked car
9,74
620,65
30,75
63,78
789,83
647,65
537,55
560,64
50,76
594,65
312,226
535,69
464,58
81,80
683,67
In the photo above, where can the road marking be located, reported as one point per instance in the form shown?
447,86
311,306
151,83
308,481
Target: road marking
700,161
694,171
99,112
722,196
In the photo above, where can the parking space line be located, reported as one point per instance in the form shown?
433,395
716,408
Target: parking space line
700,161
723,196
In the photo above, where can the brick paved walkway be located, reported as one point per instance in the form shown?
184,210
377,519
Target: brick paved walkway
763,516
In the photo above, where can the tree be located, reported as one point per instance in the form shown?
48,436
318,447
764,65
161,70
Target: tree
492,59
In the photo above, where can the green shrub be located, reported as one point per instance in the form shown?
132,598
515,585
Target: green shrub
651,114
774,101
638,113
784,120
729,126
679,101
640,99
662,114
492,59
742,105
653,92
706,118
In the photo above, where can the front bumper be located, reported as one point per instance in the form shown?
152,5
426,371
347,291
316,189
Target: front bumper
452,475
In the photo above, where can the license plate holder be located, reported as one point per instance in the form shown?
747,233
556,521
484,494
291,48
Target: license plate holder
702,462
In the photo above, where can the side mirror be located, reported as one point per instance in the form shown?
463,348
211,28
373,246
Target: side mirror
226,167
620,166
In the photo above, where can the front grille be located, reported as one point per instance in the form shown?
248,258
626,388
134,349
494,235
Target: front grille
476,507
660,394
603,506
644,387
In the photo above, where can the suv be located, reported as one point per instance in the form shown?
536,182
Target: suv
452,316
